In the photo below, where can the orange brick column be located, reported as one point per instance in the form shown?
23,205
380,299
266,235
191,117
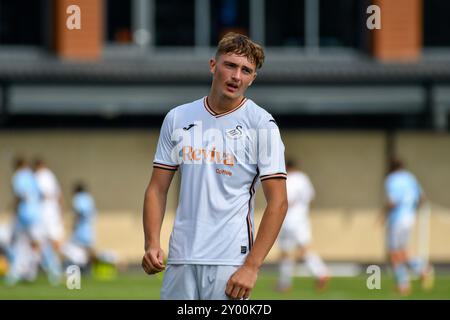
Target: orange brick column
400,37
82,44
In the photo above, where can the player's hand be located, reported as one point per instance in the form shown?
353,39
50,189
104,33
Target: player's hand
152,262
241,283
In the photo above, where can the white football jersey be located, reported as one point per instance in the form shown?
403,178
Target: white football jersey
300,192
50,208
221,158
49,188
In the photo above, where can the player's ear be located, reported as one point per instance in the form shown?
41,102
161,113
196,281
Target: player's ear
212,65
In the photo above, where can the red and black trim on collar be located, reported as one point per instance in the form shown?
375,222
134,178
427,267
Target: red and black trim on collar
218,115
279,175
164,166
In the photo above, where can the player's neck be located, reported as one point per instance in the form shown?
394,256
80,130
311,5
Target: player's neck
221,104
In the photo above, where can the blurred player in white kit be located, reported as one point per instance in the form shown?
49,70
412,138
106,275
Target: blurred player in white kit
295,234
52,222
51,203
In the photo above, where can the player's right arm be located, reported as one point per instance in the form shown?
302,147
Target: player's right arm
164,167
154,208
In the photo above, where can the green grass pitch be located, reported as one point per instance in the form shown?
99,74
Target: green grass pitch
139,286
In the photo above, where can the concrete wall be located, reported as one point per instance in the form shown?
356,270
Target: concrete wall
428,156
116,165
346,168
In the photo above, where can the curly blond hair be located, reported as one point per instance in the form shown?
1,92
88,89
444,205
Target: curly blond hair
241,45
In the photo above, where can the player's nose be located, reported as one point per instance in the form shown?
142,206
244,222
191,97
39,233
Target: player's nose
236,75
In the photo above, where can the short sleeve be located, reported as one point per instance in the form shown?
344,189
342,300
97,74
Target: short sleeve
392,193
270,161
18,186
22,184
83,205
165,157
46,183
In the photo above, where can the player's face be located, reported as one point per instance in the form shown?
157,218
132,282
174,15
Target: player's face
232,75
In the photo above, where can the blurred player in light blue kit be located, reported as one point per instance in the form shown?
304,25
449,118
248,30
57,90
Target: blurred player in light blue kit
27,236
404,196
80,249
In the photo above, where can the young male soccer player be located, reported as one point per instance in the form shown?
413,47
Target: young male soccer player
404,195
52,223
27,234
222,144
80,249
51,203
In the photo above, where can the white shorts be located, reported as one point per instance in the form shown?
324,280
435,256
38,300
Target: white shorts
53,226
35,232
5,235
398,234
291,238
75,253
196,282
54,231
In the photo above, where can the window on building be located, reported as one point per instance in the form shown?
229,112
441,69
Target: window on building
285,22
21,22
228,15
175,22
118,21
436,23
341,23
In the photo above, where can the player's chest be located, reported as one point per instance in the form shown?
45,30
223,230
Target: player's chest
226,142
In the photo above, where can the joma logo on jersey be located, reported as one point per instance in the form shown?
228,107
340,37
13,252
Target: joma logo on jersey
189,126
190,154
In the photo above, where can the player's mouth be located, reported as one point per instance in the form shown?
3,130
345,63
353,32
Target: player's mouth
232,87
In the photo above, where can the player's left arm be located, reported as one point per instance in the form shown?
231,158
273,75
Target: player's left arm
243,280
389,202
